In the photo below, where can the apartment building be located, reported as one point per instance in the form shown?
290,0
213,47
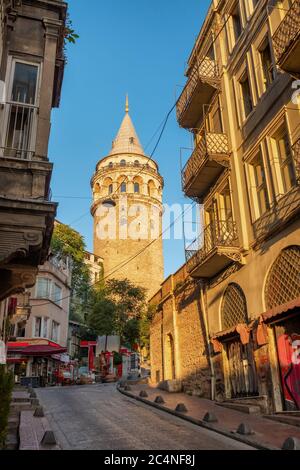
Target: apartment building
240,104
40,320
32,36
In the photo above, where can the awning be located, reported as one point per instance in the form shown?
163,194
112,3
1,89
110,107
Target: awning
241,330
36,350
281,310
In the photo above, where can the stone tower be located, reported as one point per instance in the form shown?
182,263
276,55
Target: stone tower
127,211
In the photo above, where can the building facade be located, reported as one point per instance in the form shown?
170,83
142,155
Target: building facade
241,105
95,265
40,322
127,211
31,72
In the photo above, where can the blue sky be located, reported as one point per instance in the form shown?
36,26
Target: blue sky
139,47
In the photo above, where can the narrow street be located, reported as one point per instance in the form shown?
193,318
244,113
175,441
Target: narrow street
98,417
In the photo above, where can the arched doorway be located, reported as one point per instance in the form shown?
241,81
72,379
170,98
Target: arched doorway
241,365
282,287
169,358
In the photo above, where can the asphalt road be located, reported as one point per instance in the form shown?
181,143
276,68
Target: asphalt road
98,417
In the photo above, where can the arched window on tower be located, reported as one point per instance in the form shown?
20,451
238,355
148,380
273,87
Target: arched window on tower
110,189
136,188
123,188
136,163
123,162
111,165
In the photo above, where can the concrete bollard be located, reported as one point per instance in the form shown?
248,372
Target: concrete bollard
49,439
210,418
244,430
39,412
143,394
181,408
159,400
292,443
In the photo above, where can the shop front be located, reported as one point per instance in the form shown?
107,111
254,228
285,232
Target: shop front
34,362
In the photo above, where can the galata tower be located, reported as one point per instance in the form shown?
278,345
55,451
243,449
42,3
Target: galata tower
127,211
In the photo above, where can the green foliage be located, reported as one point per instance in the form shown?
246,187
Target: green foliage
119,308
70,35
117,358
68,242
6,387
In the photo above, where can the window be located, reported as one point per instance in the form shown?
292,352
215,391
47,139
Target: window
111,164
24,83
287,168
236,23
21,110
246,95
123,188
136,163
136,187
38,327
55,332
43,288
259,185
57,294
45,327
131,140
123,162
267,65
110,189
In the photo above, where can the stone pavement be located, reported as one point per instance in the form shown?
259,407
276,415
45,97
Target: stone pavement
98,417
268,433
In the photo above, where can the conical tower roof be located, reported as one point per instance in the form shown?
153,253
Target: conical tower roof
127,140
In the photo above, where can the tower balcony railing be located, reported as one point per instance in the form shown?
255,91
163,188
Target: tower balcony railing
214,250
202,83
286,41
127,165
286,207
207,162
19,124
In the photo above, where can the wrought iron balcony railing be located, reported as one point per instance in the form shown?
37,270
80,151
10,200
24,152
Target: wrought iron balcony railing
19,125
286,35
211,147
205,72
221,234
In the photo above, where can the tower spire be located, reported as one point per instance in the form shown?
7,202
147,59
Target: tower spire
127,104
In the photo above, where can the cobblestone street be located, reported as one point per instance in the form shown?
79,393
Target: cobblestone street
99,417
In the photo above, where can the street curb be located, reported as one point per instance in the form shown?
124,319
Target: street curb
199,422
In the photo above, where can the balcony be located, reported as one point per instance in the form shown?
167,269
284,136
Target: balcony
208,161
286,41
203,82
215,249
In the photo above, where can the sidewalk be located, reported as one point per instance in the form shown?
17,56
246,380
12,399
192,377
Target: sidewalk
268,433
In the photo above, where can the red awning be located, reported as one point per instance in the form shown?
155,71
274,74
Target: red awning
281,310
38,350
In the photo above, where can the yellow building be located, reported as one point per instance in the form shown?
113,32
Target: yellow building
240,104
127,210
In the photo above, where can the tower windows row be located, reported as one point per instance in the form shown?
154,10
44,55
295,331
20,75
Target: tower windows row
122,185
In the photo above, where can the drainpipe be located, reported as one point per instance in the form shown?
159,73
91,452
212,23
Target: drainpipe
203,289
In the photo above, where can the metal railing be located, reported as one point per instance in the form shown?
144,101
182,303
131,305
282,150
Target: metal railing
20,122
287,31
210,144
130,165
208,72
217,234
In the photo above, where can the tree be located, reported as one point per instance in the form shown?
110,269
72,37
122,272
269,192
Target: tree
67,242
118,308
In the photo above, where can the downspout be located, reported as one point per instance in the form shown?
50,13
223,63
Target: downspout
203,289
